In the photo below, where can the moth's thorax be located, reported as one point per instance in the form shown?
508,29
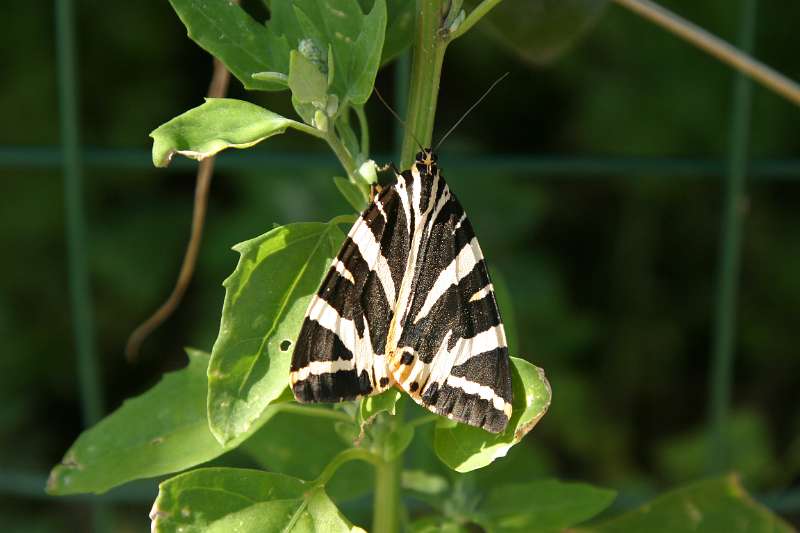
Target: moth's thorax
426,162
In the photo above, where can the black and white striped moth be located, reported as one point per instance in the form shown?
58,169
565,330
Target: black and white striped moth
408,302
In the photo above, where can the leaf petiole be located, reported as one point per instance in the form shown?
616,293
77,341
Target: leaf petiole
474,16
340,150
318,412
363,127
351,454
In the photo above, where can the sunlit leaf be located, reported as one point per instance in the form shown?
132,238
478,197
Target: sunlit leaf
464,448
307,83
245,46
231,499
709,506
265,301
371,406
218,124
162,431
355,38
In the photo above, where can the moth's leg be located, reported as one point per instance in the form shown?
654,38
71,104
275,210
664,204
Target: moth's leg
374,191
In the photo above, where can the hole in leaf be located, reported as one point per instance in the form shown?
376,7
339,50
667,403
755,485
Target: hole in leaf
285,345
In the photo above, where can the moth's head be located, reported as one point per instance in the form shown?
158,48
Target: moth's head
427,157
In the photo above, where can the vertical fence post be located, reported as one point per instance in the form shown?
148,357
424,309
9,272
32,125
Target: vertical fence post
80,300
721,375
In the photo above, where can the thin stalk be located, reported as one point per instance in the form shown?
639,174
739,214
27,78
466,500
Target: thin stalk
388,473
763,74
387,496
318,412
351,454
730,256
426,68
474,16
430,44
363,126
341,152
402,75
218,87
344,157
76,231
80,299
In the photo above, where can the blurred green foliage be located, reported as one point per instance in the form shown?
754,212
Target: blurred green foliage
611,280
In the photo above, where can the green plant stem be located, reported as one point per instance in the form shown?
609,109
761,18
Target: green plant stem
318,412
730,257
387,496
474,16
351,454
76,232
429,46
426,68
363,127
342,154
333,141
388,474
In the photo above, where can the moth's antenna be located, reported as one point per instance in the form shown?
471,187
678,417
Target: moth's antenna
468,111
397,116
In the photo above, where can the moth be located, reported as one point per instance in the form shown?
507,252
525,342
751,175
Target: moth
408,303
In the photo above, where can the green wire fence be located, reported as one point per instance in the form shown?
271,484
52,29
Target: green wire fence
72,159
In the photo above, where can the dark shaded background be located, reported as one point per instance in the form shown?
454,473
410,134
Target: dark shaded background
612,274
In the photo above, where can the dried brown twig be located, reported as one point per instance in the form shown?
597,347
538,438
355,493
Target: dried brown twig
205,170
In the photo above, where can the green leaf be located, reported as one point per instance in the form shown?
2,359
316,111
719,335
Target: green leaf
217,124
307,83
245,47
539,31
399,28
232,499
464,448
275,77
371,406
276,448
162,431
248,48
355,39
541,506
356,196
707,506
400,24
265,300
345,131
